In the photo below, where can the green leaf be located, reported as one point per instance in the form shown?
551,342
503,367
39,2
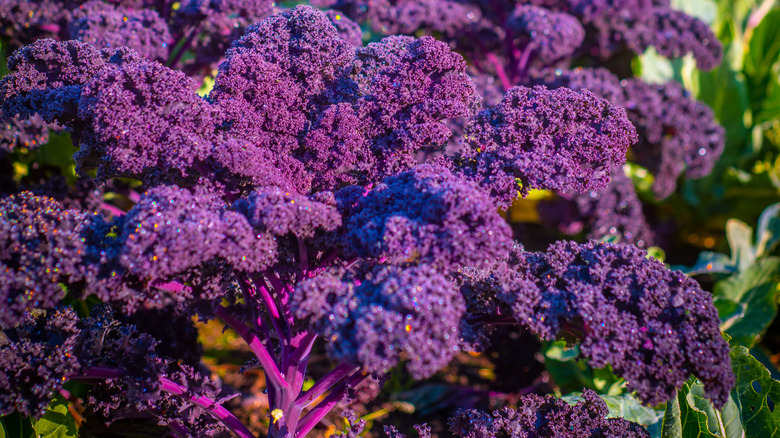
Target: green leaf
763,49
746,301
654,68
15,425
571,374
740,238
57,422
705,10
710,262
770,104
691,415
724,90
768,231
756,395
671,426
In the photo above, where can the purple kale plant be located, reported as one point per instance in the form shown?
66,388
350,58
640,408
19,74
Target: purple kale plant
311,198
582,45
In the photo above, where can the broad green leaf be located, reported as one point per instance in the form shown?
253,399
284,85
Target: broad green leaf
15,425
571,373
704,10
770,104
710,263
731,420
768,231
756,395
724,90
747,301
671,425
57,422
691,415
696,418
763,48
740,238
654,68
725,423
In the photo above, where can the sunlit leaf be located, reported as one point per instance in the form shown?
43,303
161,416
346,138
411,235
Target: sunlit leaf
57,422
747,301
756,395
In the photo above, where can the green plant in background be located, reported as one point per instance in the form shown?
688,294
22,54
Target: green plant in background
744,92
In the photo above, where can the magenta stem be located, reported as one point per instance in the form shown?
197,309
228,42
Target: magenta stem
134,196
522,63
500,72
215,409
282,295
272,374
178,429
184,47
170,286
331,378
269,302
314,416
116,211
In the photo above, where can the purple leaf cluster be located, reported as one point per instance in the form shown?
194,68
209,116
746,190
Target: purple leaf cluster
105,25
635,25
545,139
654,326
291,94
24,133
159,30
40,248
427,215
370,317
480,27
537,417
125,366
546,35
677,134
35,358
392,17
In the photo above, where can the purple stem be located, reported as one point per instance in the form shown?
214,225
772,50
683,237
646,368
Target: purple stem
502,76
282,294
167,385
331,378
178,429
169,286
522,63
270,303
272,374
321,410
53,28
249,291
183,48
134,196
116,211
215,409
295,372
273,309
